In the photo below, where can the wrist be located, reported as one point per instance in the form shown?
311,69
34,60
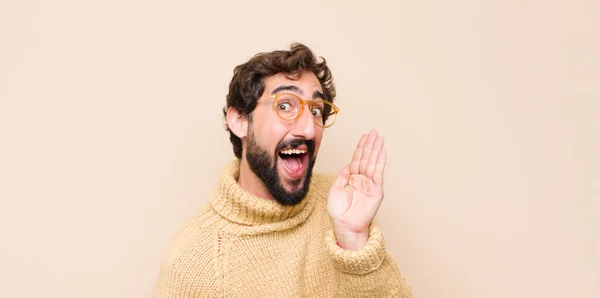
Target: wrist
349,239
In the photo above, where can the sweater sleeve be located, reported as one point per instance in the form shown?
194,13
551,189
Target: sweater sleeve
368,272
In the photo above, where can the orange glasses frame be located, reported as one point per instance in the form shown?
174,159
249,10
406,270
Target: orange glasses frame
303,102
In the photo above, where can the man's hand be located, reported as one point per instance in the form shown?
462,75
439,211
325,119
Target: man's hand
357,193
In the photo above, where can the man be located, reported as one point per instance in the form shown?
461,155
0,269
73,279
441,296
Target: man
271,228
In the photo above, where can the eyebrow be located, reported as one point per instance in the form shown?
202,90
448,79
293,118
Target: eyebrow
287,88
316,94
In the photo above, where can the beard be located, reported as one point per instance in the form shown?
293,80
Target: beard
264,165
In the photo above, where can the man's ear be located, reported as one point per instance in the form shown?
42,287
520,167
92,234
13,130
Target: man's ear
238,123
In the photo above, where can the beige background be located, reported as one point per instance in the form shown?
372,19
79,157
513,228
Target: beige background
111,134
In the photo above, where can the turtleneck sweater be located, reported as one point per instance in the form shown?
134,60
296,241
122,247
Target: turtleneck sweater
240,245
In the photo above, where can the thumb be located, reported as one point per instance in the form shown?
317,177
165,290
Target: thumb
342,179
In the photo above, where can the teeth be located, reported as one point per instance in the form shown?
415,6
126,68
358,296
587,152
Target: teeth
293,151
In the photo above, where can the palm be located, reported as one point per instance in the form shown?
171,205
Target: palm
357,193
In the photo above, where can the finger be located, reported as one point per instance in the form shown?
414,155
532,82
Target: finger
380,168
366,153
343,177
354,165
377,147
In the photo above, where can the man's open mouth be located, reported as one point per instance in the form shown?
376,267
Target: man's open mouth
294,160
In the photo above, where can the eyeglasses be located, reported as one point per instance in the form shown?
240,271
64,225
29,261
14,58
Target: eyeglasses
289,107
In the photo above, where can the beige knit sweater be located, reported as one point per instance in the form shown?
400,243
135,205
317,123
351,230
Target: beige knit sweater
240,245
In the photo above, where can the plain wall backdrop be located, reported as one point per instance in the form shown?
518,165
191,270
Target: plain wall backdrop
111,134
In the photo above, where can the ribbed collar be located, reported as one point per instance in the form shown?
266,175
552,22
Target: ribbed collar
231,201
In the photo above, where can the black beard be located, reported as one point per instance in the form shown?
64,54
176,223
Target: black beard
264,165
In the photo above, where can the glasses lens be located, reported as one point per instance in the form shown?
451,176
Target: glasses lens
324,114
287,106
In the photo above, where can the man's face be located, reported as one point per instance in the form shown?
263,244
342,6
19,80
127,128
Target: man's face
285,173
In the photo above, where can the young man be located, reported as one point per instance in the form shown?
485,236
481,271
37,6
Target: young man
272,228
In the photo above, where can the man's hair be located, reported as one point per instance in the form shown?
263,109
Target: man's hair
247,84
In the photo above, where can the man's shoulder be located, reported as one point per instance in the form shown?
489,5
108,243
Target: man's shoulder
194,236
198,225
190,254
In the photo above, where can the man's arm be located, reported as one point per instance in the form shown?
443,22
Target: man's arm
363,265
188,267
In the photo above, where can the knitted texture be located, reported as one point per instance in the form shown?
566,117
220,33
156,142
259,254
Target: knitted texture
240,245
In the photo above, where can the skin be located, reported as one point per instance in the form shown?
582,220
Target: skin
356,195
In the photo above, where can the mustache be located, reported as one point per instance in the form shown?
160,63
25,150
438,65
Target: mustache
296,142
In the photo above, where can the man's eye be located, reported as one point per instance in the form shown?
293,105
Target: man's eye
284,107
317,112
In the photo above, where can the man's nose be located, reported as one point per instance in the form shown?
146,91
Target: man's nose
305,125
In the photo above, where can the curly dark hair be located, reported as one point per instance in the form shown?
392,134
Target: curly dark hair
247,84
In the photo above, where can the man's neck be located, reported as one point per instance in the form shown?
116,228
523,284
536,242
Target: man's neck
252,183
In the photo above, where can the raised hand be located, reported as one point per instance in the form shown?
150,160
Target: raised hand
357,193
